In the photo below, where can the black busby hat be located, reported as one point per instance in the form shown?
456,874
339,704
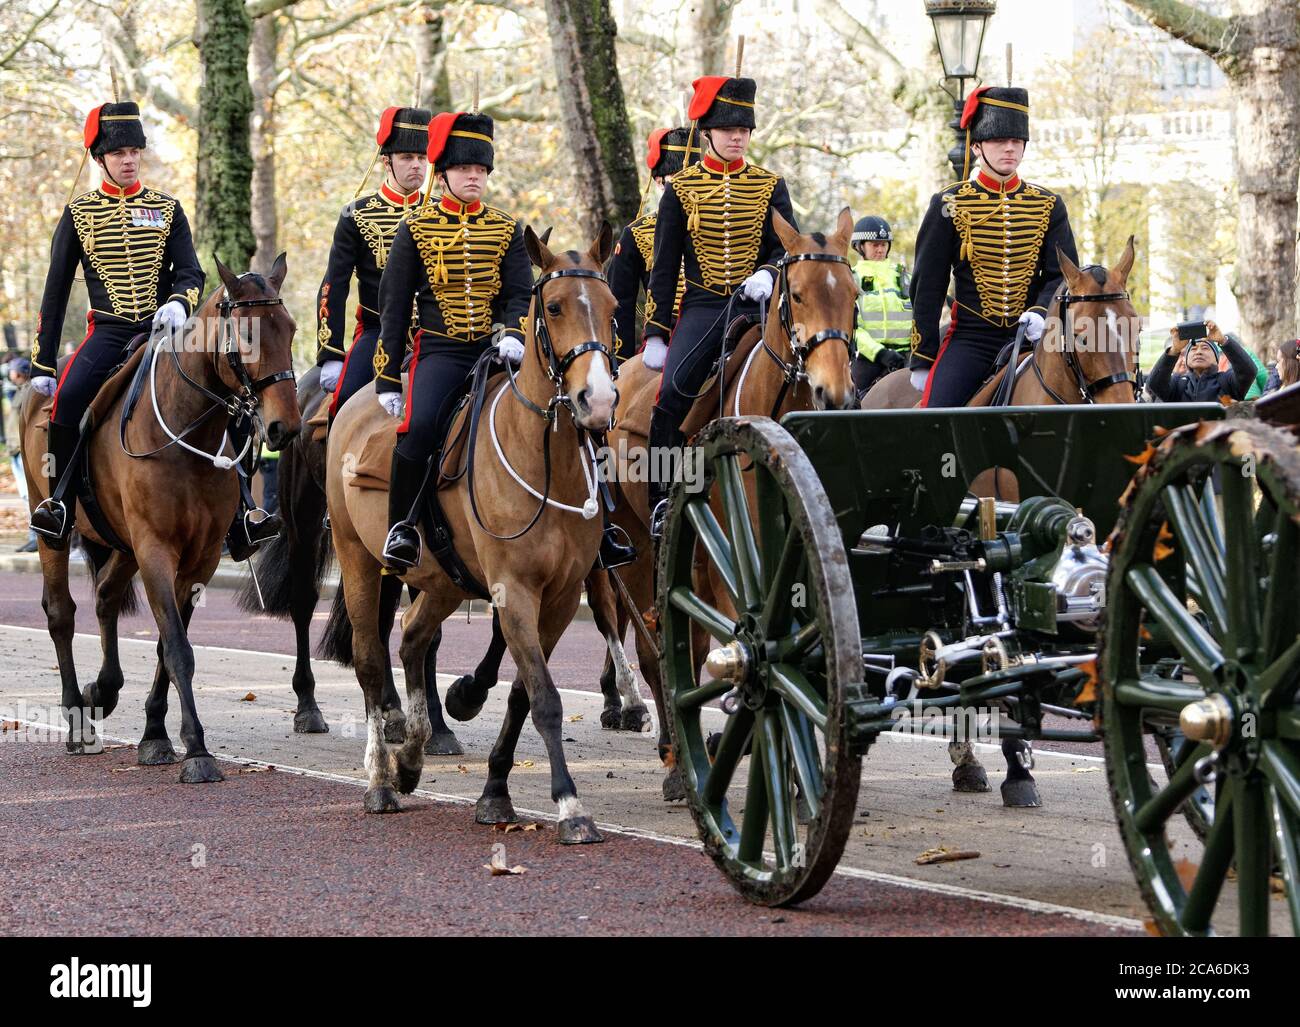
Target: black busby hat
460,138
997,113
403,130
668,151
113,126
721,102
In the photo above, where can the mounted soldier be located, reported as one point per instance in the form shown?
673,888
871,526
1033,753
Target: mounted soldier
362,240
629,268
884,330
997,237
714,230
133,246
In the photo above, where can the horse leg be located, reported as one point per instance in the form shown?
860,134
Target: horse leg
158,572
304,595
605,612
155,747
422,622
112,585
60,615
1019,789
639,579
468,693
390,594
442,740
967,772
494,805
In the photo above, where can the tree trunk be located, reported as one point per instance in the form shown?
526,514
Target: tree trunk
596,125
711,22
431,58
223,218
262,72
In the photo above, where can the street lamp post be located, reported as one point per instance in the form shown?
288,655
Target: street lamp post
959,30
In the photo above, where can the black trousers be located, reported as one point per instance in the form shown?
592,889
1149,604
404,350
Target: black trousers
358,367
965,360
100,352
439,375
695,344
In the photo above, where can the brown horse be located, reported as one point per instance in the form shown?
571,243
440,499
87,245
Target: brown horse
167,505
531,554
1088,354
796,363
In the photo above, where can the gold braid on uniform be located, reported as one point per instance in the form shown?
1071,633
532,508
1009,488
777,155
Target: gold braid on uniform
377,222
463,263
1001,236
725,217
643,234
125,248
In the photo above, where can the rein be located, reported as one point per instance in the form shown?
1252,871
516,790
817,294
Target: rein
1087,390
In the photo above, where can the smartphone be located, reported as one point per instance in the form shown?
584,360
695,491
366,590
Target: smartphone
1192,330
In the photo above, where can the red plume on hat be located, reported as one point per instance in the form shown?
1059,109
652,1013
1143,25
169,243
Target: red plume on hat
706,91
439,130
91,132
386,125
652,154
972,105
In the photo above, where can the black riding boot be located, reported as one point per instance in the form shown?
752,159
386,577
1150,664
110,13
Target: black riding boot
52,519
248,532
402,547
666,442
616,549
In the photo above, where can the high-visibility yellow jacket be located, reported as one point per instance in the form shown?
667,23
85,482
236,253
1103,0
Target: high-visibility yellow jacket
884,310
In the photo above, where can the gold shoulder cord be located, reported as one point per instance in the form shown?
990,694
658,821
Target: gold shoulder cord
377,222
116,246
643,233
1001,237
464,288
725,221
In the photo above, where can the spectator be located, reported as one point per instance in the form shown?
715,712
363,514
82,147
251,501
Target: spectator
1287,370
1203,382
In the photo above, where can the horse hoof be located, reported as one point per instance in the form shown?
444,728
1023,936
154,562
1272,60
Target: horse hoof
461,702
408,777
155,752
443,743
1021,793
636,718
395,729
969,777
200,770
85,746
495,809
382,800
674,788
310,722
611,718
579,831
94,704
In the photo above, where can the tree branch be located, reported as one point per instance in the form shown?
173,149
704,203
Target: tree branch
1212,35
258,8
37,22
342,23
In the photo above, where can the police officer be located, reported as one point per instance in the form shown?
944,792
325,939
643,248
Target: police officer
714,230
133,246
362,239
996,236
884,330
629,267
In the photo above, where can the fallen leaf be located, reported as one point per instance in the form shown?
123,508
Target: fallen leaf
523,763
1084,770
1186,871
250,697
507,828
123,770
255,770
498,866
1002,866
119,745
575,718
9,725
945,855
1161,549
1088,693
1144,634
1151,927
461,768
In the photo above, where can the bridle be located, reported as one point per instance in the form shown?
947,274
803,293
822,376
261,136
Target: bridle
794,371
1088,390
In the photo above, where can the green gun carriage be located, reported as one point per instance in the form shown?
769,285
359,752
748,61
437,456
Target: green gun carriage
830,578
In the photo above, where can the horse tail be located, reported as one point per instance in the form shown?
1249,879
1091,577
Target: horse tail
96,558
336,642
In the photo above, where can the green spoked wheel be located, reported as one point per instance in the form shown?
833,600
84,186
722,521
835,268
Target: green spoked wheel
1218,580
754,577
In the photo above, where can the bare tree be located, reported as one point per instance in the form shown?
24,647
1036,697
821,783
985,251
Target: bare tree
262,74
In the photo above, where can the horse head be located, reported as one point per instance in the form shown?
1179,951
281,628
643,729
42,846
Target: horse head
571,326
815,296
253,355
1096,331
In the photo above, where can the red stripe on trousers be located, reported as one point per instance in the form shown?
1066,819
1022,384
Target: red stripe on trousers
952,327
410,378
90,329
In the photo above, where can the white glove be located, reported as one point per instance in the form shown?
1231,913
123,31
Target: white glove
329,374
391,402
655,353
919,377
172,315
1034,325
510,348
45,385
758,286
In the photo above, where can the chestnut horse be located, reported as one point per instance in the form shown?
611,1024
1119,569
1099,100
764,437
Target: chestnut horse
168,504
533,554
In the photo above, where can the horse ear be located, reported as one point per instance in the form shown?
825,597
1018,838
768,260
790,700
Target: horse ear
546,235
1073,276
790,238
1125,266
228,278
537,251
600,249
278,271
844,230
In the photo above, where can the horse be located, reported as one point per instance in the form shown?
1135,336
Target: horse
1088,354
526,438
166,495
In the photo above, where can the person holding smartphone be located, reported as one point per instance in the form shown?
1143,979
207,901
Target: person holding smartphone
1203,342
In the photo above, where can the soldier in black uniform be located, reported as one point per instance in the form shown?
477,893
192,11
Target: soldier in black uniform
629,267
714,230
133,247
997,237
361,243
